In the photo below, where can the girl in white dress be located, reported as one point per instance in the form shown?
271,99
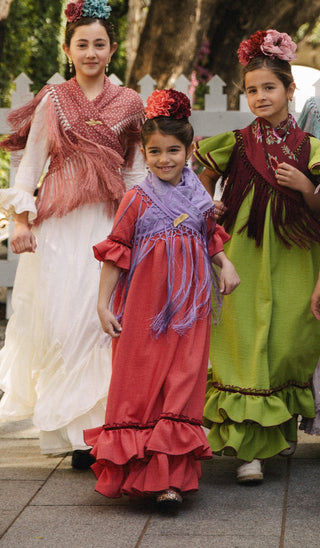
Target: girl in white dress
55,365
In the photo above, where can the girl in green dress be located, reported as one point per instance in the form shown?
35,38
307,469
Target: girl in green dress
266,348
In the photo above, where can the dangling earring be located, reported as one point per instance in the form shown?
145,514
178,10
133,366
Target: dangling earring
107,65
70,65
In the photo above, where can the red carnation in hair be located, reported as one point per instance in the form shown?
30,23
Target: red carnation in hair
251,48
73,11
169,103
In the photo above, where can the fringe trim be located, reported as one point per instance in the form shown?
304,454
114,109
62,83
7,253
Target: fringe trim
294,223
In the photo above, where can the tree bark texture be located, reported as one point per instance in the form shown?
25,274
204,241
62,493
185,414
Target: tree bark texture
174,32
5,8
170,40
4,12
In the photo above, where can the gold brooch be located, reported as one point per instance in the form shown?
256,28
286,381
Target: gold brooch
94,122
180,219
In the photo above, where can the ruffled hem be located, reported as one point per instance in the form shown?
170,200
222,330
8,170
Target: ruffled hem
249,440
142,460
14,200
255,426
118,253
265,410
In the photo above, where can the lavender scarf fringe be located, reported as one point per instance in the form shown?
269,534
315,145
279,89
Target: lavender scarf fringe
155,223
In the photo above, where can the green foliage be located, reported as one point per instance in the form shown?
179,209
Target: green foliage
119,19
4,169
31,44
313,36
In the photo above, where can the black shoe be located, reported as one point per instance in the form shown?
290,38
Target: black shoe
82,460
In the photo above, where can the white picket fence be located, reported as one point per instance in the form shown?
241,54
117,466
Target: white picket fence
213,120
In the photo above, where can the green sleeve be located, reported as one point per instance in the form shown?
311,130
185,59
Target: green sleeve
314,160
214,152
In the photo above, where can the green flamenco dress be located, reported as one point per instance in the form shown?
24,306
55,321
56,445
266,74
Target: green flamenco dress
265,349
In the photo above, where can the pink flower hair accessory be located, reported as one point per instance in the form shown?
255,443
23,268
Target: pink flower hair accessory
169,103
270,43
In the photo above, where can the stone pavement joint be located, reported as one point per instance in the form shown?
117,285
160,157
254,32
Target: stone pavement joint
45,503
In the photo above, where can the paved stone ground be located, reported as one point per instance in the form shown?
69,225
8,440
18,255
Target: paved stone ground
45,503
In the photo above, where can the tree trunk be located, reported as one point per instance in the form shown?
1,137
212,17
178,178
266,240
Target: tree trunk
170,40
4,12
4,8
243,19
174,31
136,19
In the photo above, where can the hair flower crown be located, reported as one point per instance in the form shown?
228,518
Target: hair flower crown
267,42
97,9
169,103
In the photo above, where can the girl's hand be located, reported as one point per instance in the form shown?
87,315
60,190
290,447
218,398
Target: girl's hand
109,323
220,208
291,177
23,239
229,278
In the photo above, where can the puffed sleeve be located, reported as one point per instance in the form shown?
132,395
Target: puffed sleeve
214,152
219,238
216,234
314,160
20,197
117,247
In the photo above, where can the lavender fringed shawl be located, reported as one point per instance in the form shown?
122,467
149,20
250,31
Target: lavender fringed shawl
157,221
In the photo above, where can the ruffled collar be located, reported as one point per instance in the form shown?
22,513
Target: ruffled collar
273,135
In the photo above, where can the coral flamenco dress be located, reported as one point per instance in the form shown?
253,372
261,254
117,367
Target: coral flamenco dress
153,437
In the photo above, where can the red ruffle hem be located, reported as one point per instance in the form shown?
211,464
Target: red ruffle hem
139,460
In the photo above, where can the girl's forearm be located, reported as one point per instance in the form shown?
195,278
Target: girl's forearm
311,199
110,274
22,218
209,178
220,259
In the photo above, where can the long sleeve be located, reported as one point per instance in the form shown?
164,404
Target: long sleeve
137,173
20,198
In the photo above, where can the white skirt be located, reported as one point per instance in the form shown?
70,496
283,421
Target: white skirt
56,362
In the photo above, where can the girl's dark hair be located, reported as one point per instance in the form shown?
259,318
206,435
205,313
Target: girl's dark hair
181,129
71,27
282,69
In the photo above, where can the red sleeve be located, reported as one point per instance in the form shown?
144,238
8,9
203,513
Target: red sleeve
118,245
217,241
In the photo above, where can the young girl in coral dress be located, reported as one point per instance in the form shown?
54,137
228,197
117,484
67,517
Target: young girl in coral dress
158,258
266,348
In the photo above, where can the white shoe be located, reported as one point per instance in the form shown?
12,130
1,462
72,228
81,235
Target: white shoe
250,472
290,450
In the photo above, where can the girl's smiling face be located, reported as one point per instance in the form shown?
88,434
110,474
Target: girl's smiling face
166,157
90,50
267,96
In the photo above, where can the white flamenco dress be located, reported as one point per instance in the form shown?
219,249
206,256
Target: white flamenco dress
56,362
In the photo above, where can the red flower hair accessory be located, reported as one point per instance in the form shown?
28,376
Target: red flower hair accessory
267,42
74,10
168,102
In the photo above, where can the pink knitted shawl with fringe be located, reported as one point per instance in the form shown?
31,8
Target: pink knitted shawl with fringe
89,141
